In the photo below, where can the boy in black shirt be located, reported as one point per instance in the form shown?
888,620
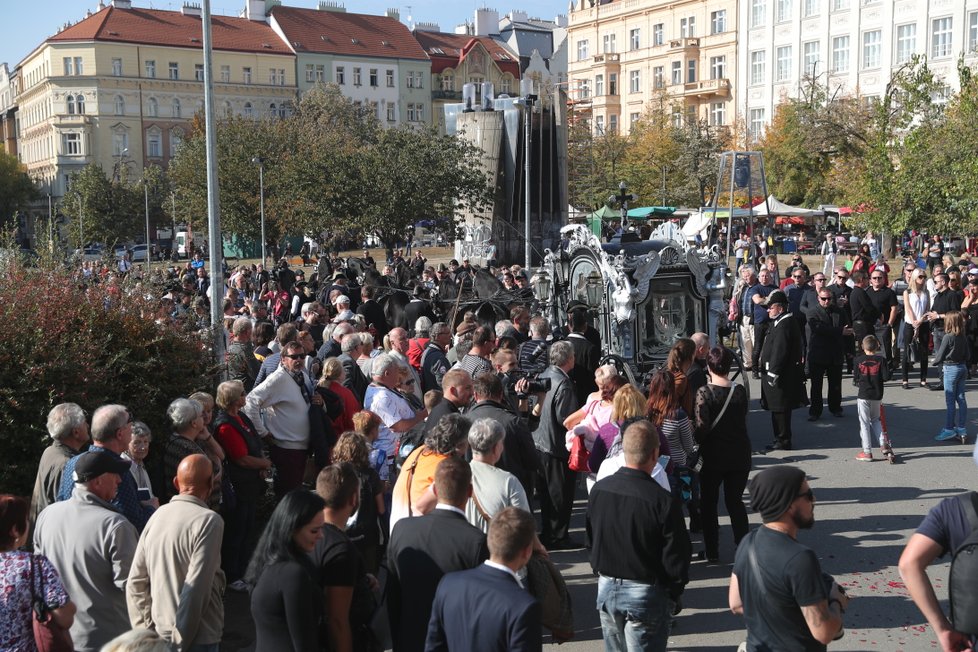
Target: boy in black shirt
869,372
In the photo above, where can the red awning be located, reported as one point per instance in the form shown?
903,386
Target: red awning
784,219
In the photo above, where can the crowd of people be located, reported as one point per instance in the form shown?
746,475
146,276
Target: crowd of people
347,470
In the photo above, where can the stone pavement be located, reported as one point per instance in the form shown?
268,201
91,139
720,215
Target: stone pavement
864,512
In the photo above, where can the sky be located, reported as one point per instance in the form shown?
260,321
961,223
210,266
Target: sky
27,23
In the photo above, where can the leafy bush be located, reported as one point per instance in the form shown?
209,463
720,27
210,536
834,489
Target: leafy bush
61,341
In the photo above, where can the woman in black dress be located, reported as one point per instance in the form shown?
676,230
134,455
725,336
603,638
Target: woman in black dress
286,603
721,432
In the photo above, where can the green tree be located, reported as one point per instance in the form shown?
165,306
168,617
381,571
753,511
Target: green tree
698,160
16,188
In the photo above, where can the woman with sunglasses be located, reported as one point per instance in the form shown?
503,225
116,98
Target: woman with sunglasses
916,327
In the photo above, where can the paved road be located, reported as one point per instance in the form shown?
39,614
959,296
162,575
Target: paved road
864,514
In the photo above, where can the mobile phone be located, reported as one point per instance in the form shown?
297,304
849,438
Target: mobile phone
143,495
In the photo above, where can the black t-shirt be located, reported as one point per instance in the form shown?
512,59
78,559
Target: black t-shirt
883,300
792,578
340,564
946,524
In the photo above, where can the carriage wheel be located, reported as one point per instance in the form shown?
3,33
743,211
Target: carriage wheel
623,368
738,373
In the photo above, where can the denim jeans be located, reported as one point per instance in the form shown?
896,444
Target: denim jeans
954,377
634,616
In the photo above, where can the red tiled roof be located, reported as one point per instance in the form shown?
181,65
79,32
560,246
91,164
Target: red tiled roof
172,28
449,50
346,34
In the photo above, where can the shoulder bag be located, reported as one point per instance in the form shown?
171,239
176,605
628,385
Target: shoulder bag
48,635
696,459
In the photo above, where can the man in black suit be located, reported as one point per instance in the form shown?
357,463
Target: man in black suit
456,387
417,308
422,549
781,368
556,489
586,356
486,609
354,379
372,311
519,455
828,326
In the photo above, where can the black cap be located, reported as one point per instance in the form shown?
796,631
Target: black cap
576,304
775,298
92,464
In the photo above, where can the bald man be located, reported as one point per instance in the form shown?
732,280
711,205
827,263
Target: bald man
176,582
696,375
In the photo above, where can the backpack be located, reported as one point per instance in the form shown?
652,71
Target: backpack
964,572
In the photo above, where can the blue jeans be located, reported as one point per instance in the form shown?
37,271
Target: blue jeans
954,377
634,616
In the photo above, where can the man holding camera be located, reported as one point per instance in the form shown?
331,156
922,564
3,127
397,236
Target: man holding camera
777,583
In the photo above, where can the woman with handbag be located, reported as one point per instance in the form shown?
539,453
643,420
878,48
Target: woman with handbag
583,425
721,430
26,579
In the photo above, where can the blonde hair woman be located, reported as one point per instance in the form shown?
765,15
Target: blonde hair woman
916,328
953,354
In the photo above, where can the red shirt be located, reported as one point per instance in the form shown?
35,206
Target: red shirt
231,440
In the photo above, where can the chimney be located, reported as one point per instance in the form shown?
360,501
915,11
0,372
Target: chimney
394,13
332,5
486,22
190,9
122,4
561,20
464,29
518,16
427,27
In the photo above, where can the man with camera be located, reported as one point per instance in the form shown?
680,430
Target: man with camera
557,481
777,583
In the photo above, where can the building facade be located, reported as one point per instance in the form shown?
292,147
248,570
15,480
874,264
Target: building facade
8,110
853,46
121,87
623,54
373,59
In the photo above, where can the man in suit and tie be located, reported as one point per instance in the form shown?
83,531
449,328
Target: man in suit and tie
586,356
486,609
422,549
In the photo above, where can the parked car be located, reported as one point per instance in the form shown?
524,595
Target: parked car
138,253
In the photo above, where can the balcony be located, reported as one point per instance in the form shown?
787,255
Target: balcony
684,44
72,120
608,59
606,100
447,96
707,87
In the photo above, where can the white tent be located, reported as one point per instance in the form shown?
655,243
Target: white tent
697,224
780,209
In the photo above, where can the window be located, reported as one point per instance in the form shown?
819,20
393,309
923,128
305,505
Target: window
80,104
117,67
782,70
612,124
390,78
599,124
340,75
872,49
71,144
448,82
691,71
391,115
906,42
840,5
810,8
70,104
120,105
972,31
658,77
840,54
228,110
687,27
941,39
154,144
418,80
757,61
677,73
811,57
718,114
357,81
199,72
120,144
599,85
677,116
246,74
412,113
613,84
176,108
374,78
582,50
635,81
176,139
78,66
226,74
756,123
757,10
634,38
273,76
249,111
608,42
585,89
69,67
782,11
174,70
310,73
633,119
718,22
506,86
718,67
658,34
150,67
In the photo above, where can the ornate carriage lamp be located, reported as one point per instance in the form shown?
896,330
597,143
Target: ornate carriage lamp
594,289
541,284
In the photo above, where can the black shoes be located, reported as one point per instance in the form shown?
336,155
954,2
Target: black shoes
813,417
778,446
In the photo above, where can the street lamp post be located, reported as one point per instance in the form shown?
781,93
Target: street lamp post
527,99
260,162
50,226
149,263
81,228
623,198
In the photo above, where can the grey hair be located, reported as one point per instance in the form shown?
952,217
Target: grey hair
438,328
137,640
304,310
382,363
64,418
182,413
422,326
350,342
450,431
107,420
241,325
140,429
502,327
605,371
561,353
484,435
366,339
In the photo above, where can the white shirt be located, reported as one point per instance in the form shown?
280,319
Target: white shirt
505,569
610,466
450,508
391,408
285,411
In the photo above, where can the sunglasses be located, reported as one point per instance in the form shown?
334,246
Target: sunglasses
819,280
294,356
876,278
809,495
825,298
841,276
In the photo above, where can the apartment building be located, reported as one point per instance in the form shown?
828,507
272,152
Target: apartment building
852,46
622,54
120,87
8,110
